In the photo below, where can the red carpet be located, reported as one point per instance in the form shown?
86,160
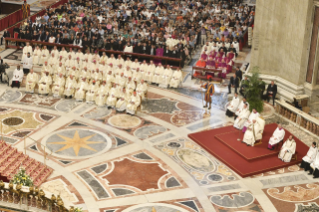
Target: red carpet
244,160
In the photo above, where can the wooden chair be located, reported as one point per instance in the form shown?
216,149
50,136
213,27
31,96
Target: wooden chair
294,156
277,145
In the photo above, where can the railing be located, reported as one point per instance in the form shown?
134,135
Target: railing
11,19
244,40
139,56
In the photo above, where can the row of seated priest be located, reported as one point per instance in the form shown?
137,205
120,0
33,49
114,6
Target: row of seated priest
310,162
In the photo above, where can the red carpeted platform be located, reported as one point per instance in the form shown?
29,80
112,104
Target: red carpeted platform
245,160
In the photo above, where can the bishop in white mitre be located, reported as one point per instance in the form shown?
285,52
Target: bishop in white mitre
242,117
251,134
81,89
276,137
176,79
44,55
36,55
70,86
287,150
232,107
112,98
101,94
133,104
44,84
314,167
166,77
91,92
58,86
25,50
309,157
123,98
32,80
141,89
241,107
158,72
253,116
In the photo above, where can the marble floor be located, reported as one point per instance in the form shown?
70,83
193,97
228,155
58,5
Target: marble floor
106,161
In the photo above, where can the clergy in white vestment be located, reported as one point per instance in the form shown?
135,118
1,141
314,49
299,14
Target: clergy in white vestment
123,98
251,134
44,84
109,78
130,85
242,117
104,58
110,68
64,54
32,80
75,72
253,116
141,89
276,137
81,89
45,68
309,157
149,72
85,74
92,90
36,55
101,94
59,70
133,104
27,63
103,68
96,57
27,49
135,65
69,63
78,63
118,70
287,150
96,76
17,77
128,62
53,60
143,69
158,73
44,55
71,52
70,86
113,60
166,77
80,55
233,105
58,86
241,107
176,78
128,72
56,52
112,98
120,60
314,167
120,82
137,75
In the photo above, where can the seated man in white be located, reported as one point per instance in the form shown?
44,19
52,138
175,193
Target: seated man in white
241,107
32,80
233,105
242,117
112,98
314,167
70,86
17,77
309,157
252,134
253,116
124,97
44,84
58,86
176,79
100,97
287,150
276,137
81,89
133,104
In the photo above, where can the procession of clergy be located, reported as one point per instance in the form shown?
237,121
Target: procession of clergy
253,126
93,78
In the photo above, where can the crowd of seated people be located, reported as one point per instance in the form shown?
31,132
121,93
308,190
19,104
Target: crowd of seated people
166,28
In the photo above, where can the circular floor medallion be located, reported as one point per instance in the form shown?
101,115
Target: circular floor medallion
215,177
124,121
13,121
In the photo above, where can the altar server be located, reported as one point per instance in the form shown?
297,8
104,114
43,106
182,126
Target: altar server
253,116
276,137
101,94
44,84
242,117
27,63
232,107
287,150
176,78
252,134
58,86
32,80
70,86
309,157
133,104
81,89
17,77
27,49
314,167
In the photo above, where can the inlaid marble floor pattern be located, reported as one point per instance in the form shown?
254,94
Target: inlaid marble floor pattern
106,161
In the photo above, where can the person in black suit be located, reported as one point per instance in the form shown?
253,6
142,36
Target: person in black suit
243,86
137,48
167,52
58,39
152,50
6,34
65,40
233,83
28,35
271,92
144,49
239,73
46,37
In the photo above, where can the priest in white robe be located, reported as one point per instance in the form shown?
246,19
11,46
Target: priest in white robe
158,72
70,86
81,89
101,94
233,105
137,75
27,63
36,55
309,157
17,77
176,79
141,89
276,137
109,78
44,55
314,167
130,85
253,116
44,84
143,69
241,107
58,86
124,97
133,104
287,150
251,134
149,72
45,68
112,98
242,117
32,80
27,49
91,92
166,77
